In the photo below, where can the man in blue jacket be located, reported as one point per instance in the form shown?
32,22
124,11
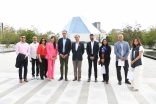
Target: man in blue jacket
122,50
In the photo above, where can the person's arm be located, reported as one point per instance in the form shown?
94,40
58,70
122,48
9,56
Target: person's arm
56,52
30,54
28,51
39,52
97,49
69,47
116,53
59,47
17,49
82,48
127,51
100,53
87,49
72,47
48,51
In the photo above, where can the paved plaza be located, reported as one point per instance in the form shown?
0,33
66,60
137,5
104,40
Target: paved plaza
69,92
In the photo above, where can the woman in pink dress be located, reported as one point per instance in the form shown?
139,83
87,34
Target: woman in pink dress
52,51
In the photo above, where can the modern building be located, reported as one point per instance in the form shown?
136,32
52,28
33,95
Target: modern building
79,25
97,25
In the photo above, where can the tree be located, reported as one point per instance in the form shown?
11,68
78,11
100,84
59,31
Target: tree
113,35
150,37
99,37
131,32
28,33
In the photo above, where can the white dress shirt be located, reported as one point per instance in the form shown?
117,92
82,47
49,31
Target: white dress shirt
92,44
77,44
33,50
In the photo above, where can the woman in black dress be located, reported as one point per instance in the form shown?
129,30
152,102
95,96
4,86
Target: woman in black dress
104,54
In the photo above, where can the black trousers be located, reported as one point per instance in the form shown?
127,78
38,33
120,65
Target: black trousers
118,68
90,67
35,61
25,64
43,67
106,75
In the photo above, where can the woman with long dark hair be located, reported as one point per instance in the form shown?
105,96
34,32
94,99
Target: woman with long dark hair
41,51
52,51
104,54
137,63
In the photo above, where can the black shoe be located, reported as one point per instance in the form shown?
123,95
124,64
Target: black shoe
127,82
45,76
60,79
96,80
66,79
88,80
119,83
42,78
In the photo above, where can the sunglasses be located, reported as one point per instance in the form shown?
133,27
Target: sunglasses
23,37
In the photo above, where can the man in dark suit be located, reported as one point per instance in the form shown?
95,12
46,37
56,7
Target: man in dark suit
77,50
92,51
64,47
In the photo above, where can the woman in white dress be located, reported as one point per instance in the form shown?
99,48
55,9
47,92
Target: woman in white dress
137,63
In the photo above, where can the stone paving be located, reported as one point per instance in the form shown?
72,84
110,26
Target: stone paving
62,92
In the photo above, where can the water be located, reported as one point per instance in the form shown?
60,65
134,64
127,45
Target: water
151,53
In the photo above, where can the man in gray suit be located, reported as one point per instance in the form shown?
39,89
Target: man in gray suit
122,50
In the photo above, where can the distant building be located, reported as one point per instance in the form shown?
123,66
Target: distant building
97,25
79,25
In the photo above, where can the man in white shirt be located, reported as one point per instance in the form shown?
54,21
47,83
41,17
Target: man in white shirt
33,58
92,52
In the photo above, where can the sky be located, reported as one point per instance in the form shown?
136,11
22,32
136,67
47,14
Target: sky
55,14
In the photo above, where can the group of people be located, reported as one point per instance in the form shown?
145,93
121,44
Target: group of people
44,54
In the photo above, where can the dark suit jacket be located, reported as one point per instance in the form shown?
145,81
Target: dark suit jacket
106,55
78,55
19,60
95,49
67,46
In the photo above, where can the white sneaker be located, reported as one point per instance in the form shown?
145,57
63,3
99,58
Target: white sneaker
37,77
32,78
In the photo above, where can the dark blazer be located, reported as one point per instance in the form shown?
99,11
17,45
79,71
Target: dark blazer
19,60
78,55
106,55
95,49
67,46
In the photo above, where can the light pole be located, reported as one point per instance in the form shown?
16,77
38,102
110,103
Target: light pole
2,33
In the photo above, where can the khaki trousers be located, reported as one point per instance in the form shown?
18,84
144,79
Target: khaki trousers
136,82
77,65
